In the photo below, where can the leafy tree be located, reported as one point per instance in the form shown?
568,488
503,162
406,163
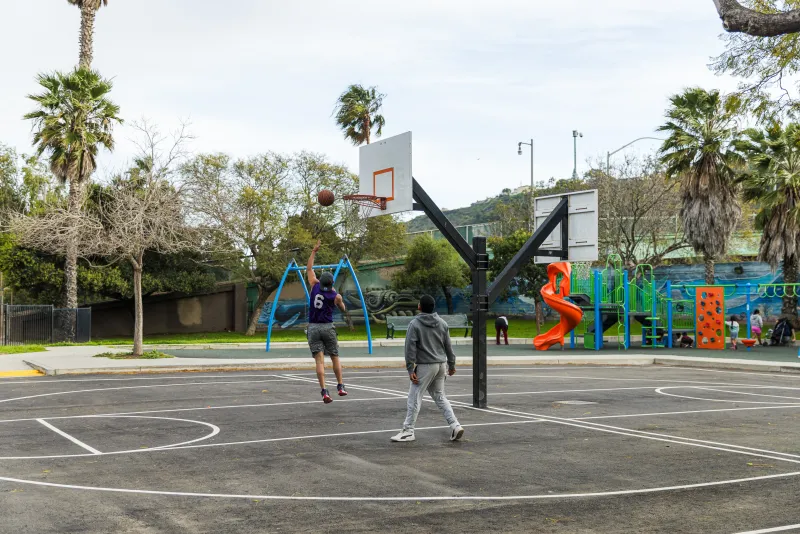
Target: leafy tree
385,238
762,18
358,113
772,180
699,152
433,265
531,277
88,13
766,64
73,120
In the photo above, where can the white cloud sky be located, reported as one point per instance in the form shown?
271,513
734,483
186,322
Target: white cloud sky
470,78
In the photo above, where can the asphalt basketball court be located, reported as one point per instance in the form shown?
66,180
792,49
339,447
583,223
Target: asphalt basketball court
560,449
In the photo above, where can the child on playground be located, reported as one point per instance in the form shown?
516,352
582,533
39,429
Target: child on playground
429,358
734,331
686,341
756,324
322,338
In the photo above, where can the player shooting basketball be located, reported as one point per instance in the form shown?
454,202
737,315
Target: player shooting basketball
322,338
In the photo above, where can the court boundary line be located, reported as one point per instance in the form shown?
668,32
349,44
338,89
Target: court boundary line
73,439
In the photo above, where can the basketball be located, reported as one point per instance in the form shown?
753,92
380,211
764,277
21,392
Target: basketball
326,197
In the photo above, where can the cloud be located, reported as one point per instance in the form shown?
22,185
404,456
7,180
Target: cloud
470,78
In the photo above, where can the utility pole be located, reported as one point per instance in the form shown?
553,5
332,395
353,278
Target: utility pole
575,135
533,187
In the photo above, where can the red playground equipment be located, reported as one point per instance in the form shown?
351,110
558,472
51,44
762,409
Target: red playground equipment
553,294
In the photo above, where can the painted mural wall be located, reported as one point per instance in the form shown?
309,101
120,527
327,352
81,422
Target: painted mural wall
383,301
753,273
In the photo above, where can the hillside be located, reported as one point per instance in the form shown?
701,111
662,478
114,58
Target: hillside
478,212
485,210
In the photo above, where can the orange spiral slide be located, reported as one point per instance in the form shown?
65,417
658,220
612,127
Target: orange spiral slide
553,294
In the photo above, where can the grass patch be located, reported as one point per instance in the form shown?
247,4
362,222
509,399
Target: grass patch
20,349
520,328
150,355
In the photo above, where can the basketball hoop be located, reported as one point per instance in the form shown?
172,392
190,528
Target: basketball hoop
366,203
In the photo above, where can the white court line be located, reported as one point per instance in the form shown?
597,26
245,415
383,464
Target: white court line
395,396
548,496
748,451
135,387
683,412
776,529
497,394
200,375
192,445
662,392
750,394
214,432
74,440
194,409
659,437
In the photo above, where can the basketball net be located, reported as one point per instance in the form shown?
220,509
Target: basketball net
365,204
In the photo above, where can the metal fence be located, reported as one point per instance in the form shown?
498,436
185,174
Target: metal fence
25,325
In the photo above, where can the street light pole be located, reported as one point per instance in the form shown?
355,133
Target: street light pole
609,154
533,187
575,135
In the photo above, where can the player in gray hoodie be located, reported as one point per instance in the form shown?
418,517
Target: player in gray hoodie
429,357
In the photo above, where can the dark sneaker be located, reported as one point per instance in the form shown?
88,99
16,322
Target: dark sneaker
341,390
325,397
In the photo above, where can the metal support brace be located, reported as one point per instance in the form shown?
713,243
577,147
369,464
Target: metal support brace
531,249
443,224
480,309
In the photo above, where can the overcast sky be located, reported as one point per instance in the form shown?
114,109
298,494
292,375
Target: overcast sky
470,78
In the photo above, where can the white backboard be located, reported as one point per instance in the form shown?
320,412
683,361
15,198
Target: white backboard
582,225
384,170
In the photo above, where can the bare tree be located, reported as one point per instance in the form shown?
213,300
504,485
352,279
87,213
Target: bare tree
140,212
737,18
639,212
140,217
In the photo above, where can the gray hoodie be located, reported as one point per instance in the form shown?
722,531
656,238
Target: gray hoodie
428,341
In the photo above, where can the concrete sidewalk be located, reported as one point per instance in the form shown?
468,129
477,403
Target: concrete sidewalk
387,354
52,363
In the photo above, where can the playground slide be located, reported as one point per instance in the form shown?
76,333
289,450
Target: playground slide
553,294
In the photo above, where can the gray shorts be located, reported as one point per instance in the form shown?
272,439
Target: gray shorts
322,338
734,335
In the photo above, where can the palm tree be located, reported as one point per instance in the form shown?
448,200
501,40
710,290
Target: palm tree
88,12
73,120
698,151
772,180
358,112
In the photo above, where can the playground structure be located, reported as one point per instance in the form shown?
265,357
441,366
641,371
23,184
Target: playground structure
293,267
611,300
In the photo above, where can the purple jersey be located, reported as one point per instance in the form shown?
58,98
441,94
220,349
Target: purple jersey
322,304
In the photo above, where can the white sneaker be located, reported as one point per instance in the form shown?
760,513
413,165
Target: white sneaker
456,432
404,435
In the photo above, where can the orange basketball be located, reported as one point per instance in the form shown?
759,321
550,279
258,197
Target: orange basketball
326,197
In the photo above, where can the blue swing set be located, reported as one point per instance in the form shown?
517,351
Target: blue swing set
293,267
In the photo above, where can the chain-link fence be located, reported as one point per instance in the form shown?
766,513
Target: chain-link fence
26,325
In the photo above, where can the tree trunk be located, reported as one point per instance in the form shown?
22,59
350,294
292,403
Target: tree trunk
88,13
539,317
789,305
448,297
138,321
709,269
263,295
367,128
71,260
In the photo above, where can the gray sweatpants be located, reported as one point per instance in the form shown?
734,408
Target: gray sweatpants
431,378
